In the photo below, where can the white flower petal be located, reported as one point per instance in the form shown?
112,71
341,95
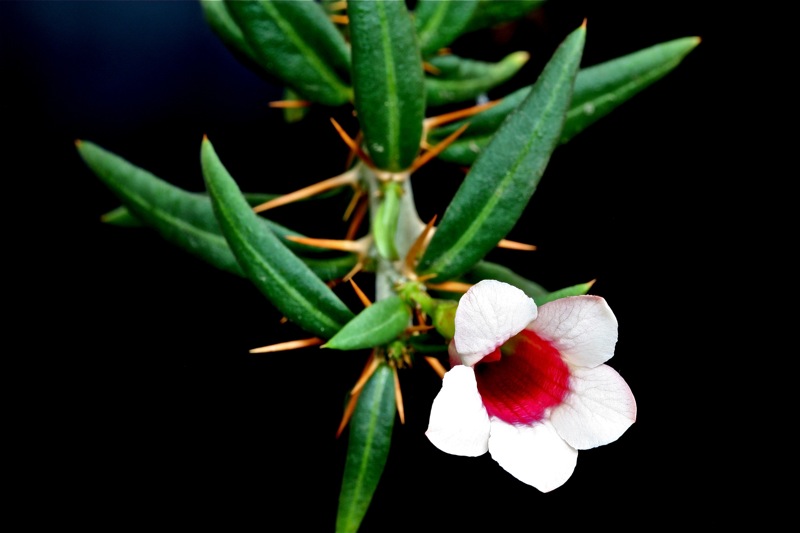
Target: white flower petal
490,313
535,454
599,409
582,328
459,424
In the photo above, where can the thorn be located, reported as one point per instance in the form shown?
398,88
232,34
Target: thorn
419,245
291,345
439,120
369,369
436,365
513,245
360,293
450,286
331,244
421,328
427,67
359,200
438,149
352,153
398,396
352,144
358,267
332,283
289,104
347,178
348,413
420,316
337,6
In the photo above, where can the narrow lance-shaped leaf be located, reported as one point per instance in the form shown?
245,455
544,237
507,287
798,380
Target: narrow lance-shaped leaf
298,43
599,89
377,324
293,114
388,81
279,274
572,290
220,21
326,268
498,187
488,270
121,216
186,219
202,215
182,218
367,448
462,79
492,12
439,23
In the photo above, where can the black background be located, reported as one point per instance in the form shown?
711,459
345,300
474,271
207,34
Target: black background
138,402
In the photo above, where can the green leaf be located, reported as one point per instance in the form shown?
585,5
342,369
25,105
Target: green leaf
439,23
598,91
296,42
574,290
279,274
386,218
498,187
601,88
122,217
203,215
493,12
377,324
177,215
465,79
293,114
388,81
331,268
488,270
367,449
222,24
186,219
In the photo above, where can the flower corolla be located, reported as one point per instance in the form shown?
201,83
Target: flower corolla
529,384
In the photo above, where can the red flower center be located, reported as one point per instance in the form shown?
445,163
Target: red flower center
522,379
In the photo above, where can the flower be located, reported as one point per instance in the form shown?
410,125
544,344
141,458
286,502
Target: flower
529,385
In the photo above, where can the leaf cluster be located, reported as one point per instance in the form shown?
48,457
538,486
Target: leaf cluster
390,64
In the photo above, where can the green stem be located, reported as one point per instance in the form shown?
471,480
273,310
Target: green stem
409,226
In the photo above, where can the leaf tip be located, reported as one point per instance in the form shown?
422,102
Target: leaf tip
78,143
521,57
583,24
